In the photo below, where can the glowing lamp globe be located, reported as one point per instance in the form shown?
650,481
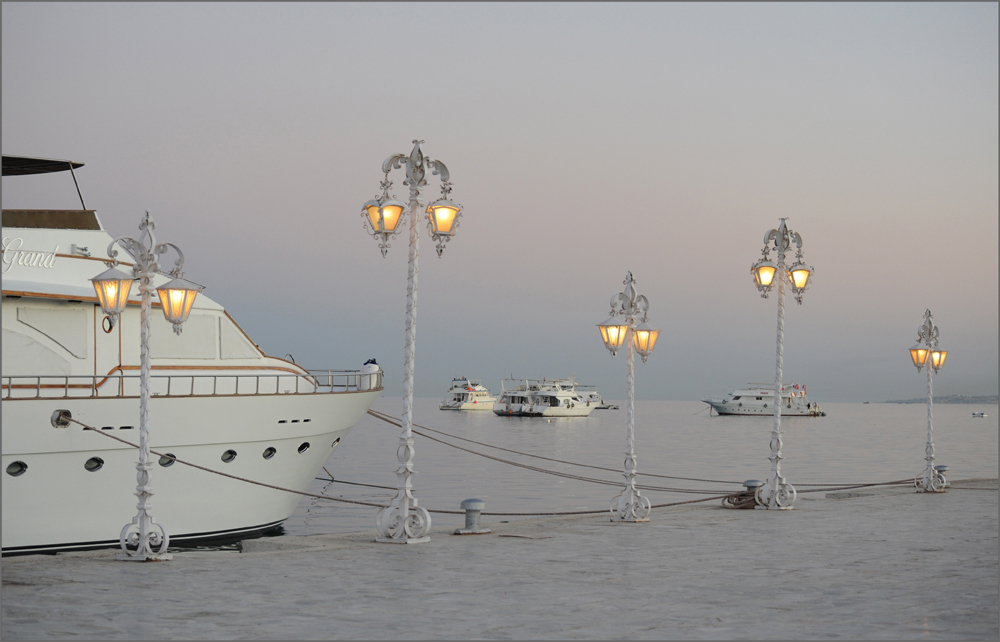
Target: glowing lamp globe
798,276
443,215
644,339
614,331
384,216
763,274
919,355
177,298
937,358
112,287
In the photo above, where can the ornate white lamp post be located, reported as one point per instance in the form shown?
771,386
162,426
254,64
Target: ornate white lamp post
629,505
404,521
777,493
932,481
140,537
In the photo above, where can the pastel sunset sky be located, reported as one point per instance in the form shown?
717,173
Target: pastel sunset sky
584,140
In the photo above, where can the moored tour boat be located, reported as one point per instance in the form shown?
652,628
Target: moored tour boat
758,399
217,401
468,395
542,398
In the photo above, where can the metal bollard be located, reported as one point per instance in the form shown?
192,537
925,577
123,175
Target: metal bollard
473,508
941,470
752,485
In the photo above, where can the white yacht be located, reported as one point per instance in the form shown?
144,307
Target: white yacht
758,399
217,401
468,395
541,398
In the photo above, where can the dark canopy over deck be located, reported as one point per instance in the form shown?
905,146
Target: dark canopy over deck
23,165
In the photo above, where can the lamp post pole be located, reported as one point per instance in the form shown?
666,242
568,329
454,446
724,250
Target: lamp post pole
143,534
777,493
932,480
404,521
629,505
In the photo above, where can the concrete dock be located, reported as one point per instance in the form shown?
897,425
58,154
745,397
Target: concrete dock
869,564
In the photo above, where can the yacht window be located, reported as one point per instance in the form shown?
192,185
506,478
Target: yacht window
228,456
197,341
233,344
52,219
19,348
736,398
759,398
67,327
167,460
94,464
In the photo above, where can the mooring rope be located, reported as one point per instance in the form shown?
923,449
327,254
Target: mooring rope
396,422
733,498
352,501
385,417
594,480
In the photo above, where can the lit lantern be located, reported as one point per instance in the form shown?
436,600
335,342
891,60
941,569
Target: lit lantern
937,358
443,215
112,287
763,275
177,298
919,355
644,338
614,331
798,276
384,216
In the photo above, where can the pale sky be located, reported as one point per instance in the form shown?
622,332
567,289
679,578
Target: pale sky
584,141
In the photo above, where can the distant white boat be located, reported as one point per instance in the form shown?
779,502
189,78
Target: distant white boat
758,399
542,398
467,395
979,414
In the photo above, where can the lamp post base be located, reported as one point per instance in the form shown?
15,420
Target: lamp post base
412,540
774,508
152,557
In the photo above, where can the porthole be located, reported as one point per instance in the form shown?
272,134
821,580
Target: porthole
765,405
228,456
17,468
304,447
107,325
335,442
269,452
94,464
167,460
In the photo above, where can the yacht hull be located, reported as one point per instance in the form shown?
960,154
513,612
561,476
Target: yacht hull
57,504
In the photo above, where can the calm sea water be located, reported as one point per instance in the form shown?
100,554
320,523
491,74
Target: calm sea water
853,443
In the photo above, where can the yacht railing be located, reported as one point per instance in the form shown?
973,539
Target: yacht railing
191,385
